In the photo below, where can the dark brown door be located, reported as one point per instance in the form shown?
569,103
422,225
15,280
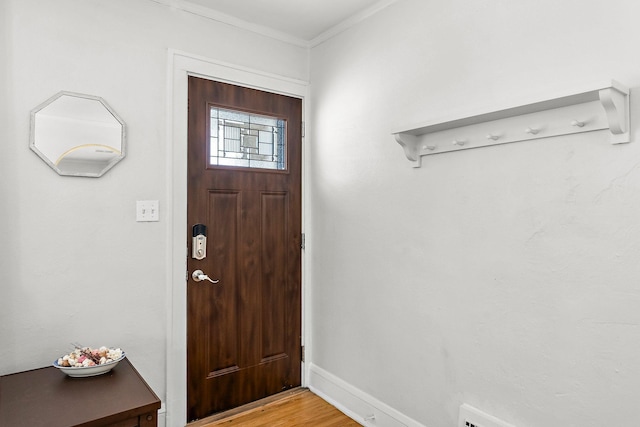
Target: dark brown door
244,185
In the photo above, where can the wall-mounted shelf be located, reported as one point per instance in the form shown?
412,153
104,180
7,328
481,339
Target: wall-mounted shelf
595,108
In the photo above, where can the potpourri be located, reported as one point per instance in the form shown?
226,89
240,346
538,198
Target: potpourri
87,356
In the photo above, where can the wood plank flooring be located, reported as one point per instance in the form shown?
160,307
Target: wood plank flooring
300,408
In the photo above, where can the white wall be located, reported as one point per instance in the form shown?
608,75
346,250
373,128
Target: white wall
75,265
504,277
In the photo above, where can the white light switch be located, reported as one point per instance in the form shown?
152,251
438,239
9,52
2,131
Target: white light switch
147,210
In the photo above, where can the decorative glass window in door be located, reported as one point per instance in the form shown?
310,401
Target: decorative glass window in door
247,140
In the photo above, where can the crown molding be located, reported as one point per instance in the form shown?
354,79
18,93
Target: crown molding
350,22
224,18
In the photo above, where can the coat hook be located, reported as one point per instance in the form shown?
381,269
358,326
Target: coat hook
459,142
428,147
493,136
577,123
532,131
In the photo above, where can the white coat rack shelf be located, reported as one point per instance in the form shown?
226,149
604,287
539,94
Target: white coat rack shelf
595,108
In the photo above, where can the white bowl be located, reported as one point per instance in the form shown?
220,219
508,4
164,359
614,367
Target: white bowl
89,371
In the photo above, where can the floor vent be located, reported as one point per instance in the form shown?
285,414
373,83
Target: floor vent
472,417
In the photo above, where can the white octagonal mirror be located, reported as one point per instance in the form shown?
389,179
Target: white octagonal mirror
77,134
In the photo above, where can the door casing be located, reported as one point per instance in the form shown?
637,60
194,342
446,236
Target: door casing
180,66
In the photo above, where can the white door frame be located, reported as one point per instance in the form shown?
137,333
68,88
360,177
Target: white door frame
180,66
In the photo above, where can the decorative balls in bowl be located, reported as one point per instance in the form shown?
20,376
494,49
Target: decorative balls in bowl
88,362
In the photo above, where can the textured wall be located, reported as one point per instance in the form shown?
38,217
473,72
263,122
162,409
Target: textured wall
504,277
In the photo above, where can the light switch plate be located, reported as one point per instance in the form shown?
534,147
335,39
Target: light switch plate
147,210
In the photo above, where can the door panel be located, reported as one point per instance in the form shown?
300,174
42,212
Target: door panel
221,320
243,334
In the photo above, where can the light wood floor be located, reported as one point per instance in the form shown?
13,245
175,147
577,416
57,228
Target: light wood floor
300,408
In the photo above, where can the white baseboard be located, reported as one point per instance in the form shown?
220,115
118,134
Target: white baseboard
162,416
355,403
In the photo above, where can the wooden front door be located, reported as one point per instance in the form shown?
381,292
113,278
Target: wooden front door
244,185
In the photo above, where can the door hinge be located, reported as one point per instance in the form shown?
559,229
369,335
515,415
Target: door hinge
303,129
302,353
303,241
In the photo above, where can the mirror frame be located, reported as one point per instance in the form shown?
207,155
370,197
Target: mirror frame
34,148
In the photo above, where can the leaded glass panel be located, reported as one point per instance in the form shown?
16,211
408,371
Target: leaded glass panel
247,140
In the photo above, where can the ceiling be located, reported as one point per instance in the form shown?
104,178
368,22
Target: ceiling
304,20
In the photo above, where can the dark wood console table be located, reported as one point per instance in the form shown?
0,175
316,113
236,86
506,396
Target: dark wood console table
47,397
